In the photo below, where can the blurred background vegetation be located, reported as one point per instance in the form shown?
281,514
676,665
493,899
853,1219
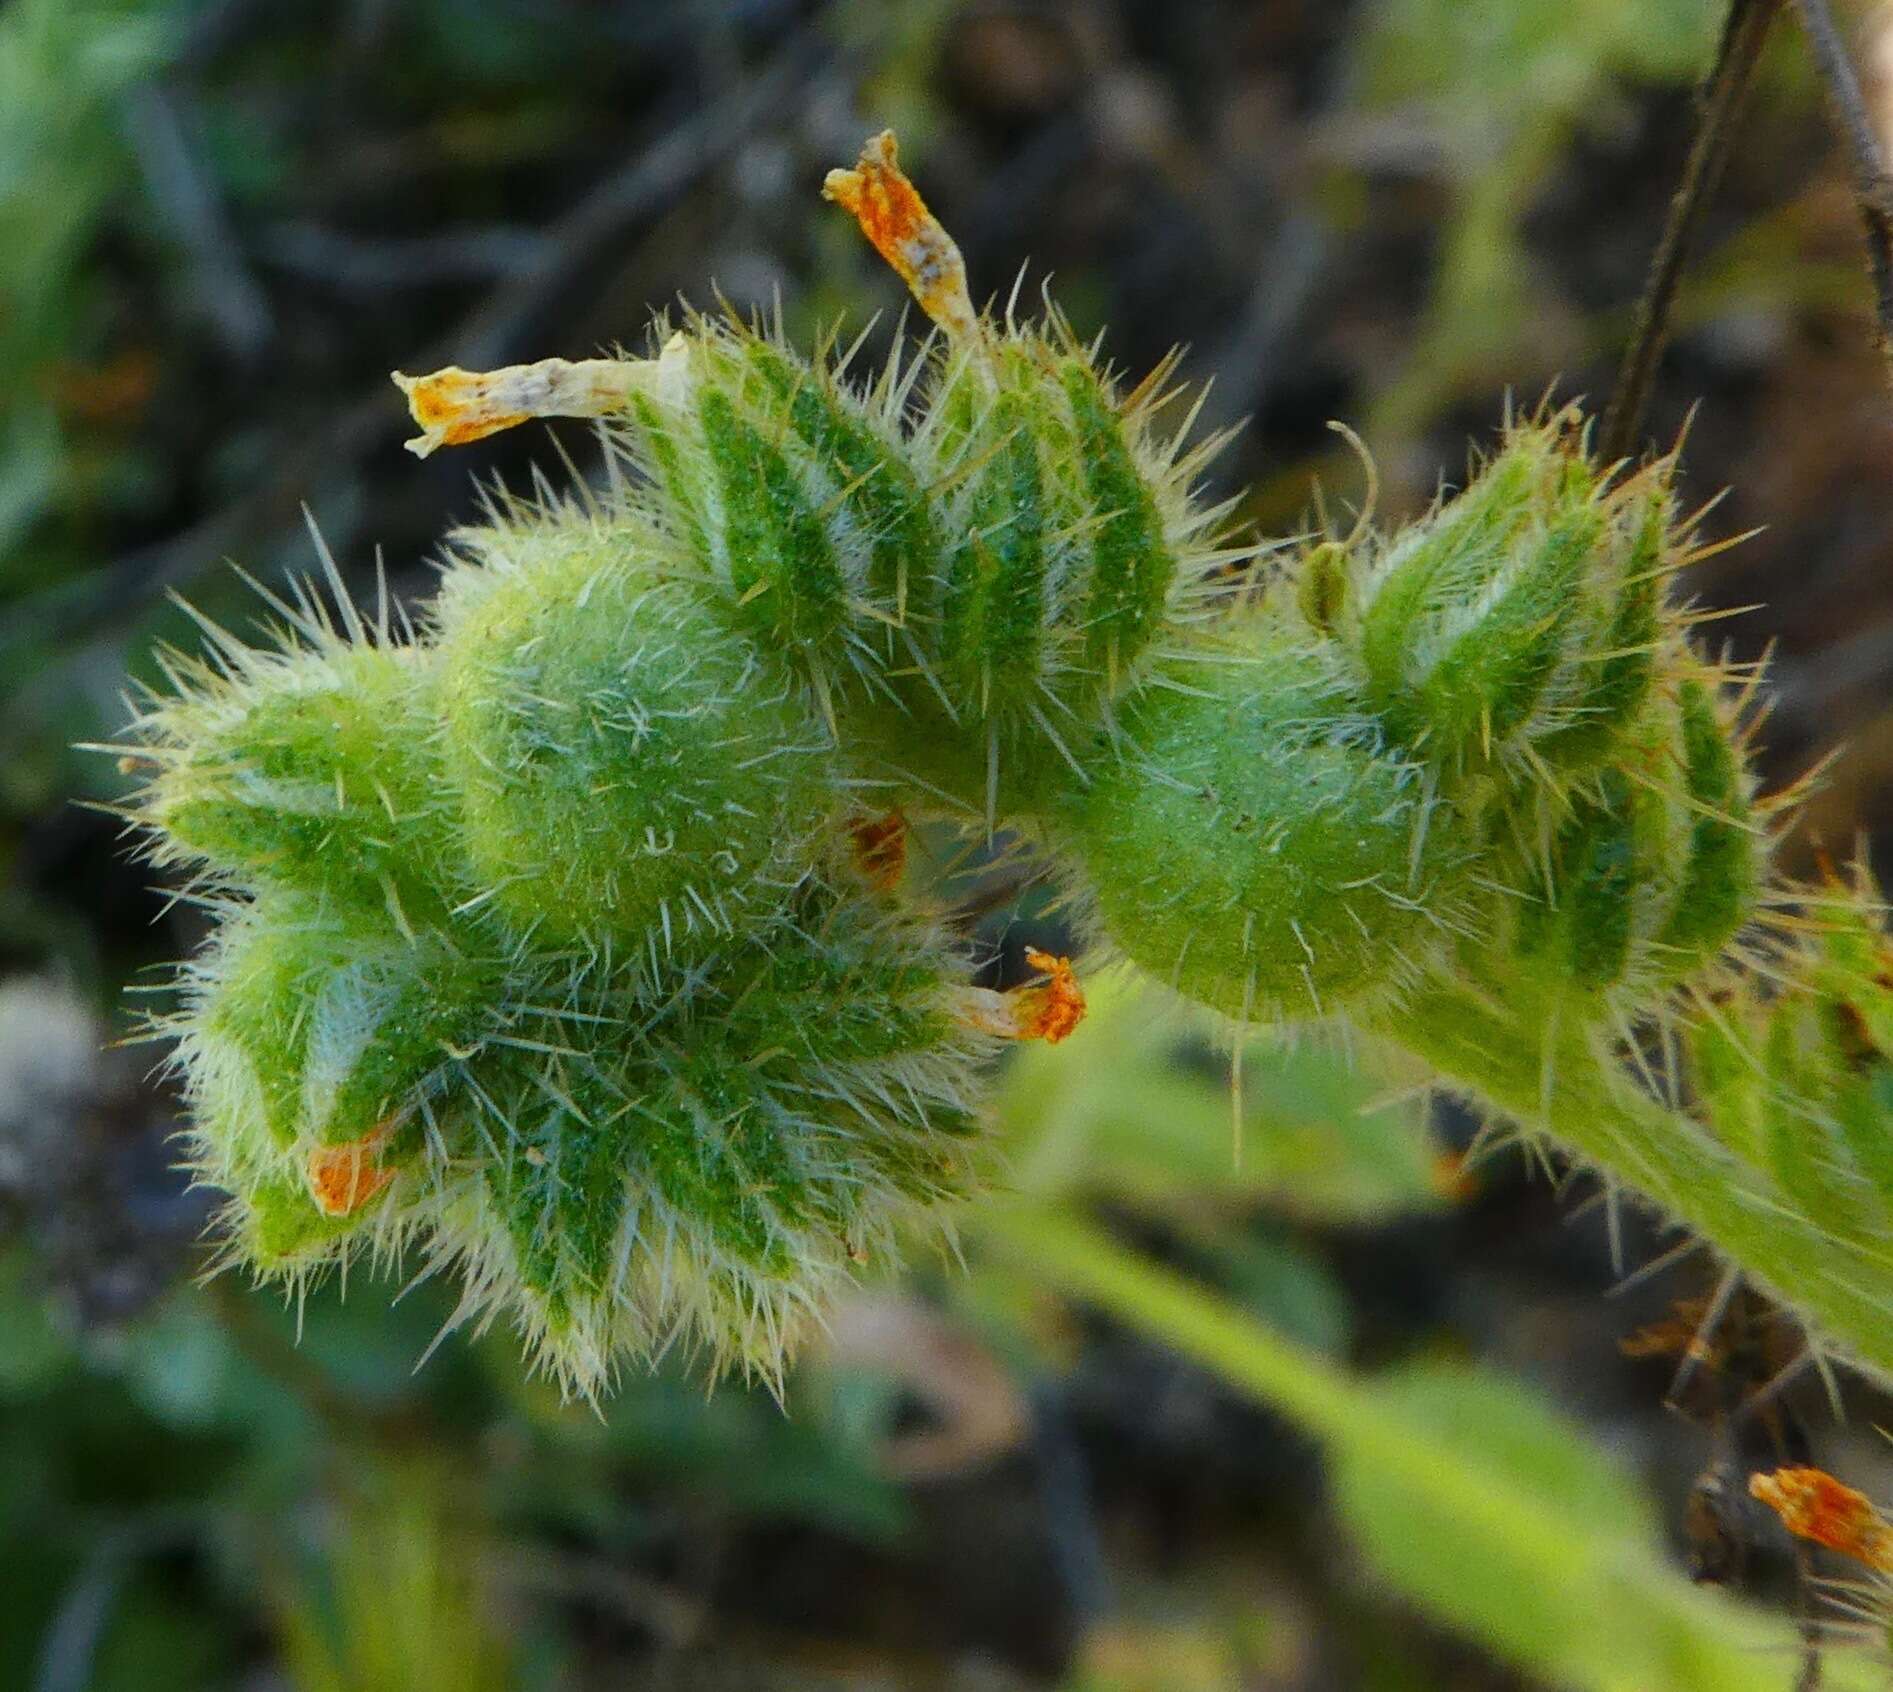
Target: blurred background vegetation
1341,1412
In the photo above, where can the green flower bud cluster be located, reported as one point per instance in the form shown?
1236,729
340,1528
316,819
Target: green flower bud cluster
1519,643
547,946
964,563
540,948
542,944
1484,738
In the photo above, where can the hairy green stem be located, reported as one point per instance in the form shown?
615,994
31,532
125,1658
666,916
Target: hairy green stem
1565,1082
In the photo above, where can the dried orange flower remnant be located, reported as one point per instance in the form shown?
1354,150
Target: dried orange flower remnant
894,217
1048,1010
880,849
345,1177
1813,1505
1053,1009
455,406
1451,1178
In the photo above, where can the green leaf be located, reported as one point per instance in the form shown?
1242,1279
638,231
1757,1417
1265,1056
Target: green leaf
1470,1496
1483,1583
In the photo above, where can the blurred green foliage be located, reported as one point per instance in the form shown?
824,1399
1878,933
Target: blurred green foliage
1469,1495
64,67
1134,1108
398,1599
233,1463
222,1484
423,1531
1496,92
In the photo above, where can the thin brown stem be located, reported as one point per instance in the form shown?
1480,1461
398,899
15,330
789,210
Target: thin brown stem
1866,160
1719,104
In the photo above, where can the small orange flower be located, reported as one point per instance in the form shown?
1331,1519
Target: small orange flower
894,217
343,1178
1047,1010
1053,1009
1813,1505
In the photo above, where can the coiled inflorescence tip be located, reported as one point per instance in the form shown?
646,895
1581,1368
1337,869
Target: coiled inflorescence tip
559,942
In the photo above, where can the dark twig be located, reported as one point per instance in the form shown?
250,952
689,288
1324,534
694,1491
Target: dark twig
1866,163
1719,104
655,178
354,264
186,197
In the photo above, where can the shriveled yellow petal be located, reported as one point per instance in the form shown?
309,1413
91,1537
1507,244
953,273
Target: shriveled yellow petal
454,406
894,217
1812,1504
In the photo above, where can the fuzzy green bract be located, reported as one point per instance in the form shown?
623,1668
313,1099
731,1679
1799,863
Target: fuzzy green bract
543,951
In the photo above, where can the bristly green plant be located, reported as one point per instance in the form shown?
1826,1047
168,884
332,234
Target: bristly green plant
565,937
